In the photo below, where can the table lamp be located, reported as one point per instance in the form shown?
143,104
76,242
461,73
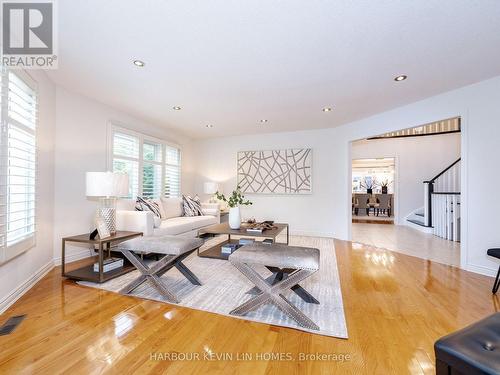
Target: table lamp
107,186
210,188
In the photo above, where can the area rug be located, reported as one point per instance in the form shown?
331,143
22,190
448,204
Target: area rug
225,288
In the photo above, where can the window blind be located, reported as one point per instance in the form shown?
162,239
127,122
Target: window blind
126,159
172,183
152,165
18,163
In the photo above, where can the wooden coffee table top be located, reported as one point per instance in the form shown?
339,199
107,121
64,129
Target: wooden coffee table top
223,228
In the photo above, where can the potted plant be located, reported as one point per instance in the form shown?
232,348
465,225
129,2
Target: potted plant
385,184
369,184
235,200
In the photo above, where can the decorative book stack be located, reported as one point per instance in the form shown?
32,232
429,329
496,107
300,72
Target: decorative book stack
109,264
229,248
246,241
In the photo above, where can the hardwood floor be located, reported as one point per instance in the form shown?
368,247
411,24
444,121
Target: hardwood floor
396,306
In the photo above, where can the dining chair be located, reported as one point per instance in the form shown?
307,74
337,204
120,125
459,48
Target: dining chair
383,205
362,203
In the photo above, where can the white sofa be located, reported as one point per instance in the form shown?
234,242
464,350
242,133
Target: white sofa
172,221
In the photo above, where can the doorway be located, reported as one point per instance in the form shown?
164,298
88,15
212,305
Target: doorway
373,187
404,162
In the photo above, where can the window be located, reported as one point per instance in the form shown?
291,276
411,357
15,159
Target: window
373,173
153,166
18,164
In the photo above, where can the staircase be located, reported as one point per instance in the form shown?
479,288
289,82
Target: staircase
416,220
440,214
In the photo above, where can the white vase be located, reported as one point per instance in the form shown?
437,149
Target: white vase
234,218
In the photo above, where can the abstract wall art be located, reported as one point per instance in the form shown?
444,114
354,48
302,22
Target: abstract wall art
275,172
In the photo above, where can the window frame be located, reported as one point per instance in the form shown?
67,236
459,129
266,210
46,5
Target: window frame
116,127
8,252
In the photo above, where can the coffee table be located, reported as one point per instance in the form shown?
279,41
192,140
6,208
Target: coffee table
223,229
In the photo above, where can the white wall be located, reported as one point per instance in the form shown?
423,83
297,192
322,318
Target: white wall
81,146
328,210
15,275
417,159
306,214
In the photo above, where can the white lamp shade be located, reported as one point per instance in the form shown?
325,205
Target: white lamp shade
210,187
106,184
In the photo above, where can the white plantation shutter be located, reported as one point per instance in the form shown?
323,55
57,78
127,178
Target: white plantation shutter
172,187
152,169
153,166
18,163
126,159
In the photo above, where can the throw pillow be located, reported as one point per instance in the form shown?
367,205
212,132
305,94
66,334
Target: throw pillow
161,208
142,204
192,206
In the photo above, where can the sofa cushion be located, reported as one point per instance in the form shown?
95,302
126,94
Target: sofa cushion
202,221
173,226
178,225
172,207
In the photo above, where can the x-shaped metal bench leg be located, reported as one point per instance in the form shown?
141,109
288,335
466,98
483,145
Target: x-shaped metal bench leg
150,274
154,273
271,293
183,269
278,275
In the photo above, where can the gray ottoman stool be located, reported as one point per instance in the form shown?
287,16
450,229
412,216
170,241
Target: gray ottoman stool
302,261
175,250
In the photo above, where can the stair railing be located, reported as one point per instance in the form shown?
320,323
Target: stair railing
442,200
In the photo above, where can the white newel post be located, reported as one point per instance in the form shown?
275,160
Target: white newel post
234,218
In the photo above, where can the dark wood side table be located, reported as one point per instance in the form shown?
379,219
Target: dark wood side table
86,273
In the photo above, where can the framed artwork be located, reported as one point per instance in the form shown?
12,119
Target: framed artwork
287,171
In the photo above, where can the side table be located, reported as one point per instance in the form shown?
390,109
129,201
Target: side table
86,273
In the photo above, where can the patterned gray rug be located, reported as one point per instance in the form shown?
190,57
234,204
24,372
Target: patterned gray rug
224,288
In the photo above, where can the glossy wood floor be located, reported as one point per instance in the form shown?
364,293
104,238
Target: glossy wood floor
396,306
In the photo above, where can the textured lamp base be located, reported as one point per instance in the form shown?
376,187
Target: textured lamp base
108,212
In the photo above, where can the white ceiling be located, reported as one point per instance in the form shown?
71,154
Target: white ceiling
232,63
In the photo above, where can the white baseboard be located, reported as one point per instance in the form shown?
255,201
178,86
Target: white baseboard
482,270
25,286
73,256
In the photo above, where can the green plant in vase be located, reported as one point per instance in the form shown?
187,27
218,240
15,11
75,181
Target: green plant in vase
235,200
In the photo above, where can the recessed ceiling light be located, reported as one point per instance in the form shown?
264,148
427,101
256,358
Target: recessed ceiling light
209,126
400,78
327,109
139,63
263,120
177,108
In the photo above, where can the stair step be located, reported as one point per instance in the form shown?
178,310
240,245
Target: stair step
418,222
